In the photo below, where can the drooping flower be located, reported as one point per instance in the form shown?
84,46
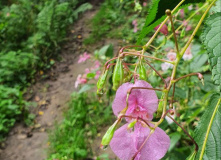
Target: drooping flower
80,80
125,144
142,103
163,30
84,57
188,55
144,4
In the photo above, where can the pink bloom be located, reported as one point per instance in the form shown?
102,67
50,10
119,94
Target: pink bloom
188,55
163,30
190,7
188,27
182,14
84,57
135,29
171,56
142,102
7,14
134,23
125,144
80,80
98,73
87,70
144,4
165,66
97,65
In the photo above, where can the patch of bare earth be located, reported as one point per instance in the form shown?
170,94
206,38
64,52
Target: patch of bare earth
51,96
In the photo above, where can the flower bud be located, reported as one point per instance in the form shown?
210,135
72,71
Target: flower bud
100,83
118,74
142,72
108,135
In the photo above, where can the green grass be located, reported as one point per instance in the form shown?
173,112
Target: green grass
72,137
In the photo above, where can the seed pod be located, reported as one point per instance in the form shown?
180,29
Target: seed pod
108,135
183,32
160,107
142,71
100,83
118,74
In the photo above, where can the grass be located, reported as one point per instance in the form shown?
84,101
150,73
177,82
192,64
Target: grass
71,138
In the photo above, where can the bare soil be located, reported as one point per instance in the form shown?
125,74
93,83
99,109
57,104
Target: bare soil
51,96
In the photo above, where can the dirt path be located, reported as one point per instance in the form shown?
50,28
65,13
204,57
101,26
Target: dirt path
51,96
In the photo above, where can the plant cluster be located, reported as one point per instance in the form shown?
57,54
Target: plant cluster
30,34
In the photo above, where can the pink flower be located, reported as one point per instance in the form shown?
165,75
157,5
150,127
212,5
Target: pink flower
188,55
182,14
134,23
144,4
98,73
171,56
80,80
142,102
84,57
125,144
7,14
87,70
163,30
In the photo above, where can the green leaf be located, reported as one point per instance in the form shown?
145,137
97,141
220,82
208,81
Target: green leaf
85,88
156,14
212,40
106,51
208,131
174,138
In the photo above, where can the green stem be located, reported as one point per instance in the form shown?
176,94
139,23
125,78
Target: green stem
208,129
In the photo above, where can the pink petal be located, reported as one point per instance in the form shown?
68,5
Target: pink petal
144,4
97,74
144,100
171,56
182,14
84,57
125,144
87,70
163,30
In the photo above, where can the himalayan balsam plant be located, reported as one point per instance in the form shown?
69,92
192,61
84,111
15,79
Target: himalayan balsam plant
136,100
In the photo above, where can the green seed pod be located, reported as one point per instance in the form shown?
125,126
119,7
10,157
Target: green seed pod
109,135
101,83
183,32
142,71
118,74
160,107
169,27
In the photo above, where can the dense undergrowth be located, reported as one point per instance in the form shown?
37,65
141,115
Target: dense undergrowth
30,35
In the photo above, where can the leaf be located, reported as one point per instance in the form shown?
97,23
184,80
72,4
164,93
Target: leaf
85,88
212,41
210,127
156,14
106,51
174,138
82,8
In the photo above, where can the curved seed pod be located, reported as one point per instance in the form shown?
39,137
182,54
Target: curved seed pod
100,83
160,106
118,74
142,71
108,135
